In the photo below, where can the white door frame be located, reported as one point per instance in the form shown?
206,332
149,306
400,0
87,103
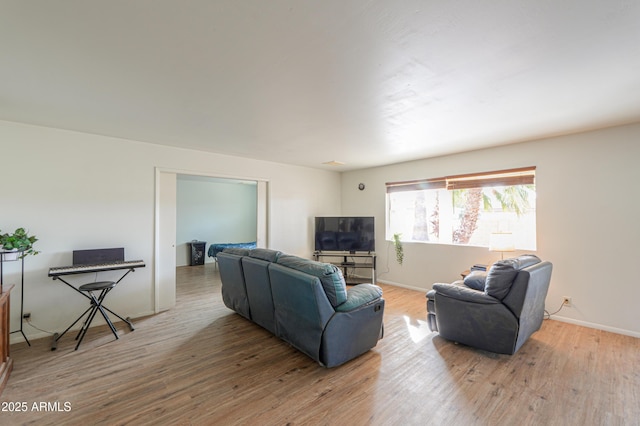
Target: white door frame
262,221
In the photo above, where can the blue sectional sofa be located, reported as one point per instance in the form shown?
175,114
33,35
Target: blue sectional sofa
303,302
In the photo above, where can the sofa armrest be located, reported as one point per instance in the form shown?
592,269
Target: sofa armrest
360,295
463,293
352,333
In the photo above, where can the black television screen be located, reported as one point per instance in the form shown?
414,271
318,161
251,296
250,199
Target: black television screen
345,234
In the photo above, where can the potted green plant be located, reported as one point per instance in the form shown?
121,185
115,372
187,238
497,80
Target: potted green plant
18,245
397,243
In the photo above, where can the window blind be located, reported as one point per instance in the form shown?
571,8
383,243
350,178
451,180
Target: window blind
519,176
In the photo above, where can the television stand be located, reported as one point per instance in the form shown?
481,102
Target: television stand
350,263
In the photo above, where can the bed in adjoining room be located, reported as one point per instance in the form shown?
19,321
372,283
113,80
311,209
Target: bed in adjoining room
214,249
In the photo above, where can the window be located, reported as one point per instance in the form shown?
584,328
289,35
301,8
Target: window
465,209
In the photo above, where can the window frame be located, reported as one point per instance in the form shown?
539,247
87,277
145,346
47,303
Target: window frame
506,177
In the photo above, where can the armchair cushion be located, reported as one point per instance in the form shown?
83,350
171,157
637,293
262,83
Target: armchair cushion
360,295
476,280
463,293
526,260
500,277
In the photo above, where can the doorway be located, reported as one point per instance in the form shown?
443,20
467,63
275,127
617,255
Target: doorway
165,230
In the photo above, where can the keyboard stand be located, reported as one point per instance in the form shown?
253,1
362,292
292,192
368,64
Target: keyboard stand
56,336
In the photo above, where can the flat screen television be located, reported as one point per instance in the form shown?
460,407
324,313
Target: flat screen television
345,233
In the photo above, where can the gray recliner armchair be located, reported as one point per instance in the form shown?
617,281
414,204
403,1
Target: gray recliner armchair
496,311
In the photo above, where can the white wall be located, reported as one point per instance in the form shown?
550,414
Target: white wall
79,191
214,210
588,221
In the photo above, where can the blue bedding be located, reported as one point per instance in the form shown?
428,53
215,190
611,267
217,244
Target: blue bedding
214,249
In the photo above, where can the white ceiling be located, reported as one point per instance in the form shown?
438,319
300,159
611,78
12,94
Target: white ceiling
364,82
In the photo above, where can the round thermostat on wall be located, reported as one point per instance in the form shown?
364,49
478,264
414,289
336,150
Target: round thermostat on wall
361,186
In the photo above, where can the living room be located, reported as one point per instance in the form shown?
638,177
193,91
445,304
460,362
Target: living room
77,189
108,209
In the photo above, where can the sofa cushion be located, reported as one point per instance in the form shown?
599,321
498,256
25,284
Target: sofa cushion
265,254
476,280
236,251
500,278
329,275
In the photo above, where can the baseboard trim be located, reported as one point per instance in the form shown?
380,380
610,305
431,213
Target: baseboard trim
395,284
597,326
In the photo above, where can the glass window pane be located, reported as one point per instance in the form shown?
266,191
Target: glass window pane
464,216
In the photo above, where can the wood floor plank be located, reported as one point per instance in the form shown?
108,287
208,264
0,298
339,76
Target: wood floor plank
202,364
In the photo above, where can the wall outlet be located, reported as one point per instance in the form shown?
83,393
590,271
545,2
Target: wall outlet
566,301
26,315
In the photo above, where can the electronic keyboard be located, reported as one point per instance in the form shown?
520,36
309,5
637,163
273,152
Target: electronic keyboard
96,267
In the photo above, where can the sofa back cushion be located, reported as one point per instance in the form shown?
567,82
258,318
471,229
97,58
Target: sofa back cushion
329,275
236,251
301,307
258,285
234,291
265,254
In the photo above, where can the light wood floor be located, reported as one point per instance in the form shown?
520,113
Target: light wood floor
202,364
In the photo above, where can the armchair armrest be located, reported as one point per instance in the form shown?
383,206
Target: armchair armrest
463,293
360,295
